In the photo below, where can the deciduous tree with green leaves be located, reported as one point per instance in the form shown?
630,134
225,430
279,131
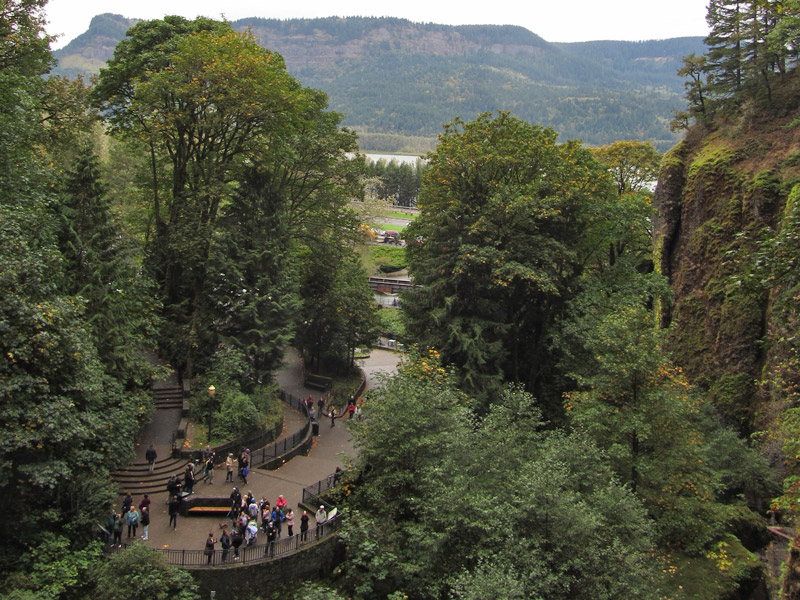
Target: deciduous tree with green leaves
450,504
503,216
210,99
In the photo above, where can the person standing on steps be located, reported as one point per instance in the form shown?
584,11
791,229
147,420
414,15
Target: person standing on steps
151,456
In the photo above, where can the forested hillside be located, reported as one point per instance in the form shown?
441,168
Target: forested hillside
397,82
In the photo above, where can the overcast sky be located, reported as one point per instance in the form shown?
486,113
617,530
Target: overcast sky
554,20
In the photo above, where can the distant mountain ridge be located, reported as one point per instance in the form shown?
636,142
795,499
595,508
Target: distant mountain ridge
397,81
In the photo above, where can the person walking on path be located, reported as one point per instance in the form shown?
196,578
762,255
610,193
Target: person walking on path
290,522
109,532
144,503
174,508
209,469
127,502
188,478
236,541
321,406
229,467
132,519
245,464
304,527
333,416
117,532
320,517
225,542
151,456
272,533
209,551
145,522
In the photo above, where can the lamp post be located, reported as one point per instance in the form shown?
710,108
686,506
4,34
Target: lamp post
211,390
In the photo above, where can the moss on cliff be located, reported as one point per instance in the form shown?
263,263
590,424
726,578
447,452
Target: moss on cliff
728,238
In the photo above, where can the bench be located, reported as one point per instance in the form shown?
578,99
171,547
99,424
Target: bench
195,505
318,382
209,510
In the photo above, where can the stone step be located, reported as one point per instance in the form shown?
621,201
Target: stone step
153,487
168,404
163,394
160,472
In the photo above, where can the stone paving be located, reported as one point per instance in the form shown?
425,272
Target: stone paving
329,451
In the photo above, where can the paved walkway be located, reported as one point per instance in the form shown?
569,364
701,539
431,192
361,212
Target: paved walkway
330,449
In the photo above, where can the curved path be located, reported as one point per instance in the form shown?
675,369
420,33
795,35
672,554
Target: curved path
330,449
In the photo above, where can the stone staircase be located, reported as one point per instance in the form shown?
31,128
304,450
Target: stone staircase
167,397
136,478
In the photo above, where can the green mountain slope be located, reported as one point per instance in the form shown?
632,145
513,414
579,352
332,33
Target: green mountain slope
396,81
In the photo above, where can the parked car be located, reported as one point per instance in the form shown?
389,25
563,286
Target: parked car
391,237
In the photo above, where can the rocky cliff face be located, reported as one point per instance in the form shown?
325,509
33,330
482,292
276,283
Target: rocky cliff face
727,235
719,193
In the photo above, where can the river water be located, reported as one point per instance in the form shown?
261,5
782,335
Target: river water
400,158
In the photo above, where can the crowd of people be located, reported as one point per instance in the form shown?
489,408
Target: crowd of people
130,515
353,409
248,516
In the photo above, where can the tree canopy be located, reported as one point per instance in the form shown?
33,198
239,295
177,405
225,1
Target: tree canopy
503,216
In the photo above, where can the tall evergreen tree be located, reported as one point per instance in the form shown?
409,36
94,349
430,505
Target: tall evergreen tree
725,62
100,269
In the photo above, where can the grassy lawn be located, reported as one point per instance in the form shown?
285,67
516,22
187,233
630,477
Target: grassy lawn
375,256
404,215
398,228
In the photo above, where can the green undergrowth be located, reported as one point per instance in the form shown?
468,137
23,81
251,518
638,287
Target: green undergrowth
345,386
724,572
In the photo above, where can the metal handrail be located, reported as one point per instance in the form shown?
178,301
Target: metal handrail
252,553
312,494
287,444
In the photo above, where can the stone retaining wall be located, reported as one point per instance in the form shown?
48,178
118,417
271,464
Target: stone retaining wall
317,561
